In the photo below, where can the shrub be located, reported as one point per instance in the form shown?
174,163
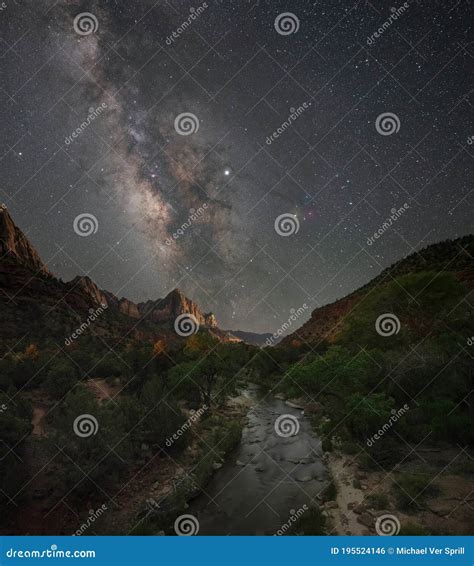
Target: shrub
61,378
15,426
326,444
411,489
330,492
311,523
350,448
377,500
368,413
411,528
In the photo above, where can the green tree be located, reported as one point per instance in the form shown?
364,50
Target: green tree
366,414
61,378
15,427
94,442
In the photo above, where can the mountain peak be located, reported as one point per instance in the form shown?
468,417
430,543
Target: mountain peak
14,244
174,304
86,285
176,293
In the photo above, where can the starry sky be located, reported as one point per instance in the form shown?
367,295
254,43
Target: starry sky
238,71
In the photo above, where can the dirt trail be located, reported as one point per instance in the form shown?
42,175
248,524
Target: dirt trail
39,412
102,390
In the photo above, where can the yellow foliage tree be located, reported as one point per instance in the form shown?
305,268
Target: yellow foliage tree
32,352
159,347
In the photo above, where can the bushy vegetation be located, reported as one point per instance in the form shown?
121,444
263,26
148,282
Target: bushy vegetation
412,528
311,523
406,385
15,424
153,388
377,500
411,489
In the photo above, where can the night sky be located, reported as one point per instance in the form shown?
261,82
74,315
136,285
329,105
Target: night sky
330,170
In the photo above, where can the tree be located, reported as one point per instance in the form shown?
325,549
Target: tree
32,352
210,372
61,378
339,371
366,414
159,347
94,442
15,426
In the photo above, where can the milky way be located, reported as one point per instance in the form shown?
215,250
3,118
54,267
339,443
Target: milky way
217,118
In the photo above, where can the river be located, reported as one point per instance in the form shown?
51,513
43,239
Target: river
267,478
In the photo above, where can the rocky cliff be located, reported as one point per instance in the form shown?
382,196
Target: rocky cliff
15,244
89,288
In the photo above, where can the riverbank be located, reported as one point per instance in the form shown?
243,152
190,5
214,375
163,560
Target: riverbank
166,487
235,450
421,494
429,491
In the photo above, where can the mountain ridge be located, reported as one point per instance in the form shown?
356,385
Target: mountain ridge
24,277
449,255
254,338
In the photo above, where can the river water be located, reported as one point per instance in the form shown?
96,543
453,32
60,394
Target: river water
267,478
